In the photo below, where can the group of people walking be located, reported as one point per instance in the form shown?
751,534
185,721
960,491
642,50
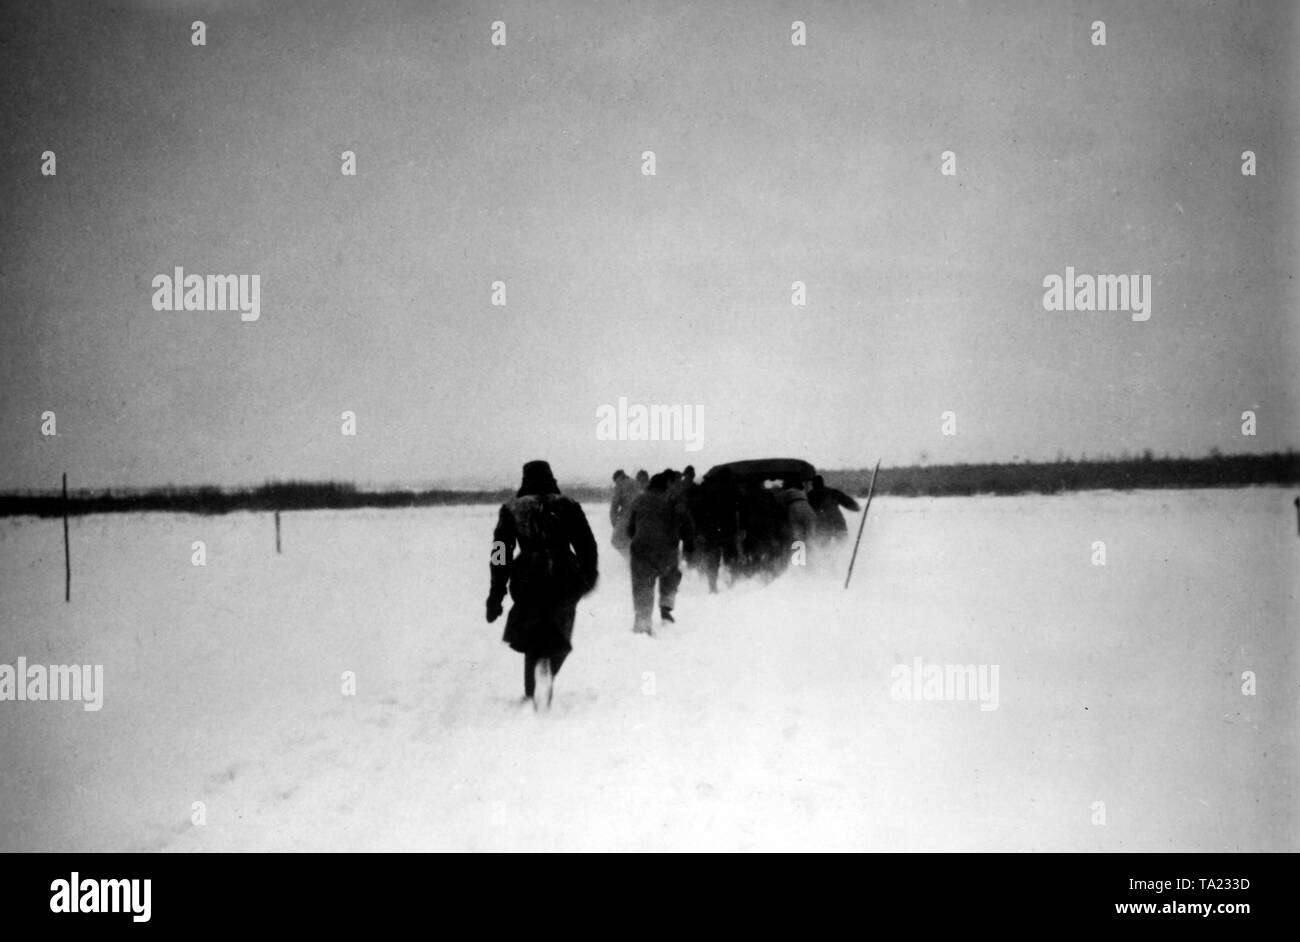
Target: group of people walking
545,557
740,524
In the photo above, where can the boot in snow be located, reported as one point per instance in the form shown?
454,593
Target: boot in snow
666,614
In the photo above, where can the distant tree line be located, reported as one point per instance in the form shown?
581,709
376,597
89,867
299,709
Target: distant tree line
950,480
276,495
1119,474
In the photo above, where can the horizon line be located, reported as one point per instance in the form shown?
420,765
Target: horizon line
1147,455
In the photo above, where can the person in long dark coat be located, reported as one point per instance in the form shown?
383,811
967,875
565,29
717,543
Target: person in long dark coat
826,503
763,521
681,490
713,511
656,525
544,554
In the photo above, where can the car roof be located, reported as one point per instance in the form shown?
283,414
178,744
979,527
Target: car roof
794,468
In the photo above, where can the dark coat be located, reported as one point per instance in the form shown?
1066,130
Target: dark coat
762,517
656,525
686,495
549,564
714,508
826,503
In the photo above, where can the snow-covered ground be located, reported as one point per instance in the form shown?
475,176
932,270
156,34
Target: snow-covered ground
766,718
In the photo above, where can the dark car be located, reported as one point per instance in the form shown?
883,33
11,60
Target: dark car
741,521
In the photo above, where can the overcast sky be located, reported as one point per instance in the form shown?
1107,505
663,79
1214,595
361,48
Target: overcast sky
522,164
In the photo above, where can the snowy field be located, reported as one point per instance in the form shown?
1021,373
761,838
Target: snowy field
767,718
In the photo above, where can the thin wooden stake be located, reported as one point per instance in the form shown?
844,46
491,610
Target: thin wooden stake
277,531
67,554
871,489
